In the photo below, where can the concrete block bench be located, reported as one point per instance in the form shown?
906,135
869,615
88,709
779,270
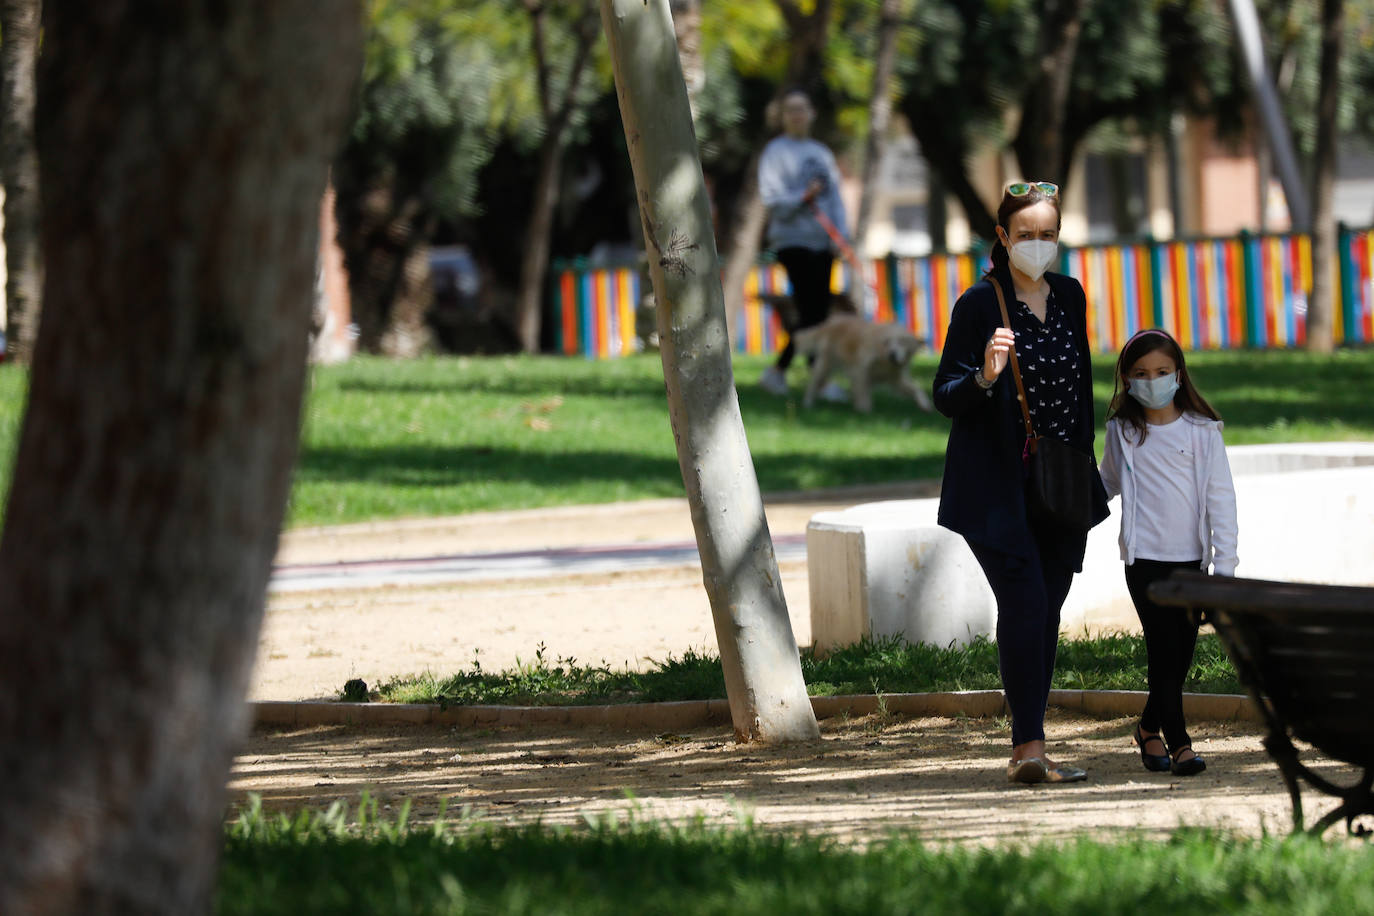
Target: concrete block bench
886,569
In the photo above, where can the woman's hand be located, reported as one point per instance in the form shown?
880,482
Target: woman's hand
995,354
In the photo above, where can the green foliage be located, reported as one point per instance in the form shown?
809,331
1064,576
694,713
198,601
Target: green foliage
318,864
424,121
889,665
1137,62
1292,34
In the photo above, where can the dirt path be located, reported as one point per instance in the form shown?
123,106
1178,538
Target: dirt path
943,778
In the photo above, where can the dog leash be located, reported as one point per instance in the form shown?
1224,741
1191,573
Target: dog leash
846,252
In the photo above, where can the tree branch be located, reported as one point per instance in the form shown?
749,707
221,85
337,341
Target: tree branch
541,57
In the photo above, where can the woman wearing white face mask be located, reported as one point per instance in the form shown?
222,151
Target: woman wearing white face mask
1165,456
1028,563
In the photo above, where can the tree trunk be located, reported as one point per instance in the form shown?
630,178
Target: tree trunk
19,21
687,29
746,235
534,261
1322,300
193,140
557,113
879,113
758,651
384,233
1040,148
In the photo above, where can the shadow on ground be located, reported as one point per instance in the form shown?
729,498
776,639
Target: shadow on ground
940,778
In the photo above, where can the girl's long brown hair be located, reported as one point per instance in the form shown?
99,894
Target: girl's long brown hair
1128,408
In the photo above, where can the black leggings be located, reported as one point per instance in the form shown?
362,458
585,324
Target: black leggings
1170,638
808,271
1030,593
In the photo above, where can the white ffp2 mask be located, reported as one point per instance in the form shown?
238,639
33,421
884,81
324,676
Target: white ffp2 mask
1033,257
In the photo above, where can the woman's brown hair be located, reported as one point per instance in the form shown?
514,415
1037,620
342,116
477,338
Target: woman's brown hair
1128,408
1001,258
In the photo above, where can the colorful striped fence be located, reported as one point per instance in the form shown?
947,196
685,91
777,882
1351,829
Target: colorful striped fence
1249,291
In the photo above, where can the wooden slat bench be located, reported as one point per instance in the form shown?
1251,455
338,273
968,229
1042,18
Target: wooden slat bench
1305,653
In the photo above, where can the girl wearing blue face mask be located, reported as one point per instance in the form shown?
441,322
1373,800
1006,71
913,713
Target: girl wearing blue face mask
1165,456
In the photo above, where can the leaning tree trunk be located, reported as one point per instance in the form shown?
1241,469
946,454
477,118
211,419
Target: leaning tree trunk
763,678
192,139
1321,303
19,174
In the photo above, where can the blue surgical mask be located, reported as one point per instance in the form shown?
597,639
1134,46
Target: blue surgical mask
1155,393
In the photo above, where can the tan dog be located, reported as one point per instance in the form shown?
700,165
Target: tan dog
867,353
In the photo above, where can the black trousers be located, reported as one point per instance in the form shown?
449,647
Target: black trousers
808,271
1030,593
1170,638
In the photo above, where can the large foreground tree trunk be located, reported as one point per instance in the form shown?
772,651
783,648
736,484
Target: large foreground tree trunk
189,144
19,174
1322,301
758,651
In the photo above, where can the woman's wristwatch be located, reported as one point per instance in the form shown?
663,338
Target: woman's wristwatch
980,381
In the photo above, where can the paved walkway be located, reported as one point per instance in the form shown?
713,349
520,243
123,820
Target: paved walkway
617,584
505,565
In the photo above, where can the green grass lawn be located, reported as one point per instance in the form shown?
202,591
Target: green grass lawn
387,439
322,863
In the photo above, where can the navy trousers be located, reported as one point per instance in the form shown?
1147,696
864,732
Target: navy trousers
1030,593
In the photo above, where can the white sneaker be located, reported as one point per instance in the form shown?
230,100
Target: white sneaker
773,381
835,394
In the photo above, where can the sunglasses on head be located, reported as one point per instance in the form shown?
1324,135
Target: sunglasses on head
1022,188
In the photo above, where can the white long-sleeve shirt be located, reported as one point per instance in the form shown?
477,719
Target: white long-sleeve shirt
1214,507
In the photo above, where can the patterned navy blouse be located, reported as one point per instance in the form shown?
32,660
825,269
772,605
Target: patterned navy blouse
1050,368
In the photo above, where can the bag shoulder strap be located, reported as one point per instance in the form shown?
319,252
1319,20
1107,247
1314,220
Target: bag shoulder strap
1015,366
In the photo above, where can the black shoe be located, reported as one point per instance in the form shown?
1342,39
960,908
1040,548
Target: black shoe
1190,767
1155,763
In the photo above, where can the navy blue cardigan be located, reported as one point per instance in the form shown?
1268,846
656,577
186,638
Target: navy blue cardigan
983,493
